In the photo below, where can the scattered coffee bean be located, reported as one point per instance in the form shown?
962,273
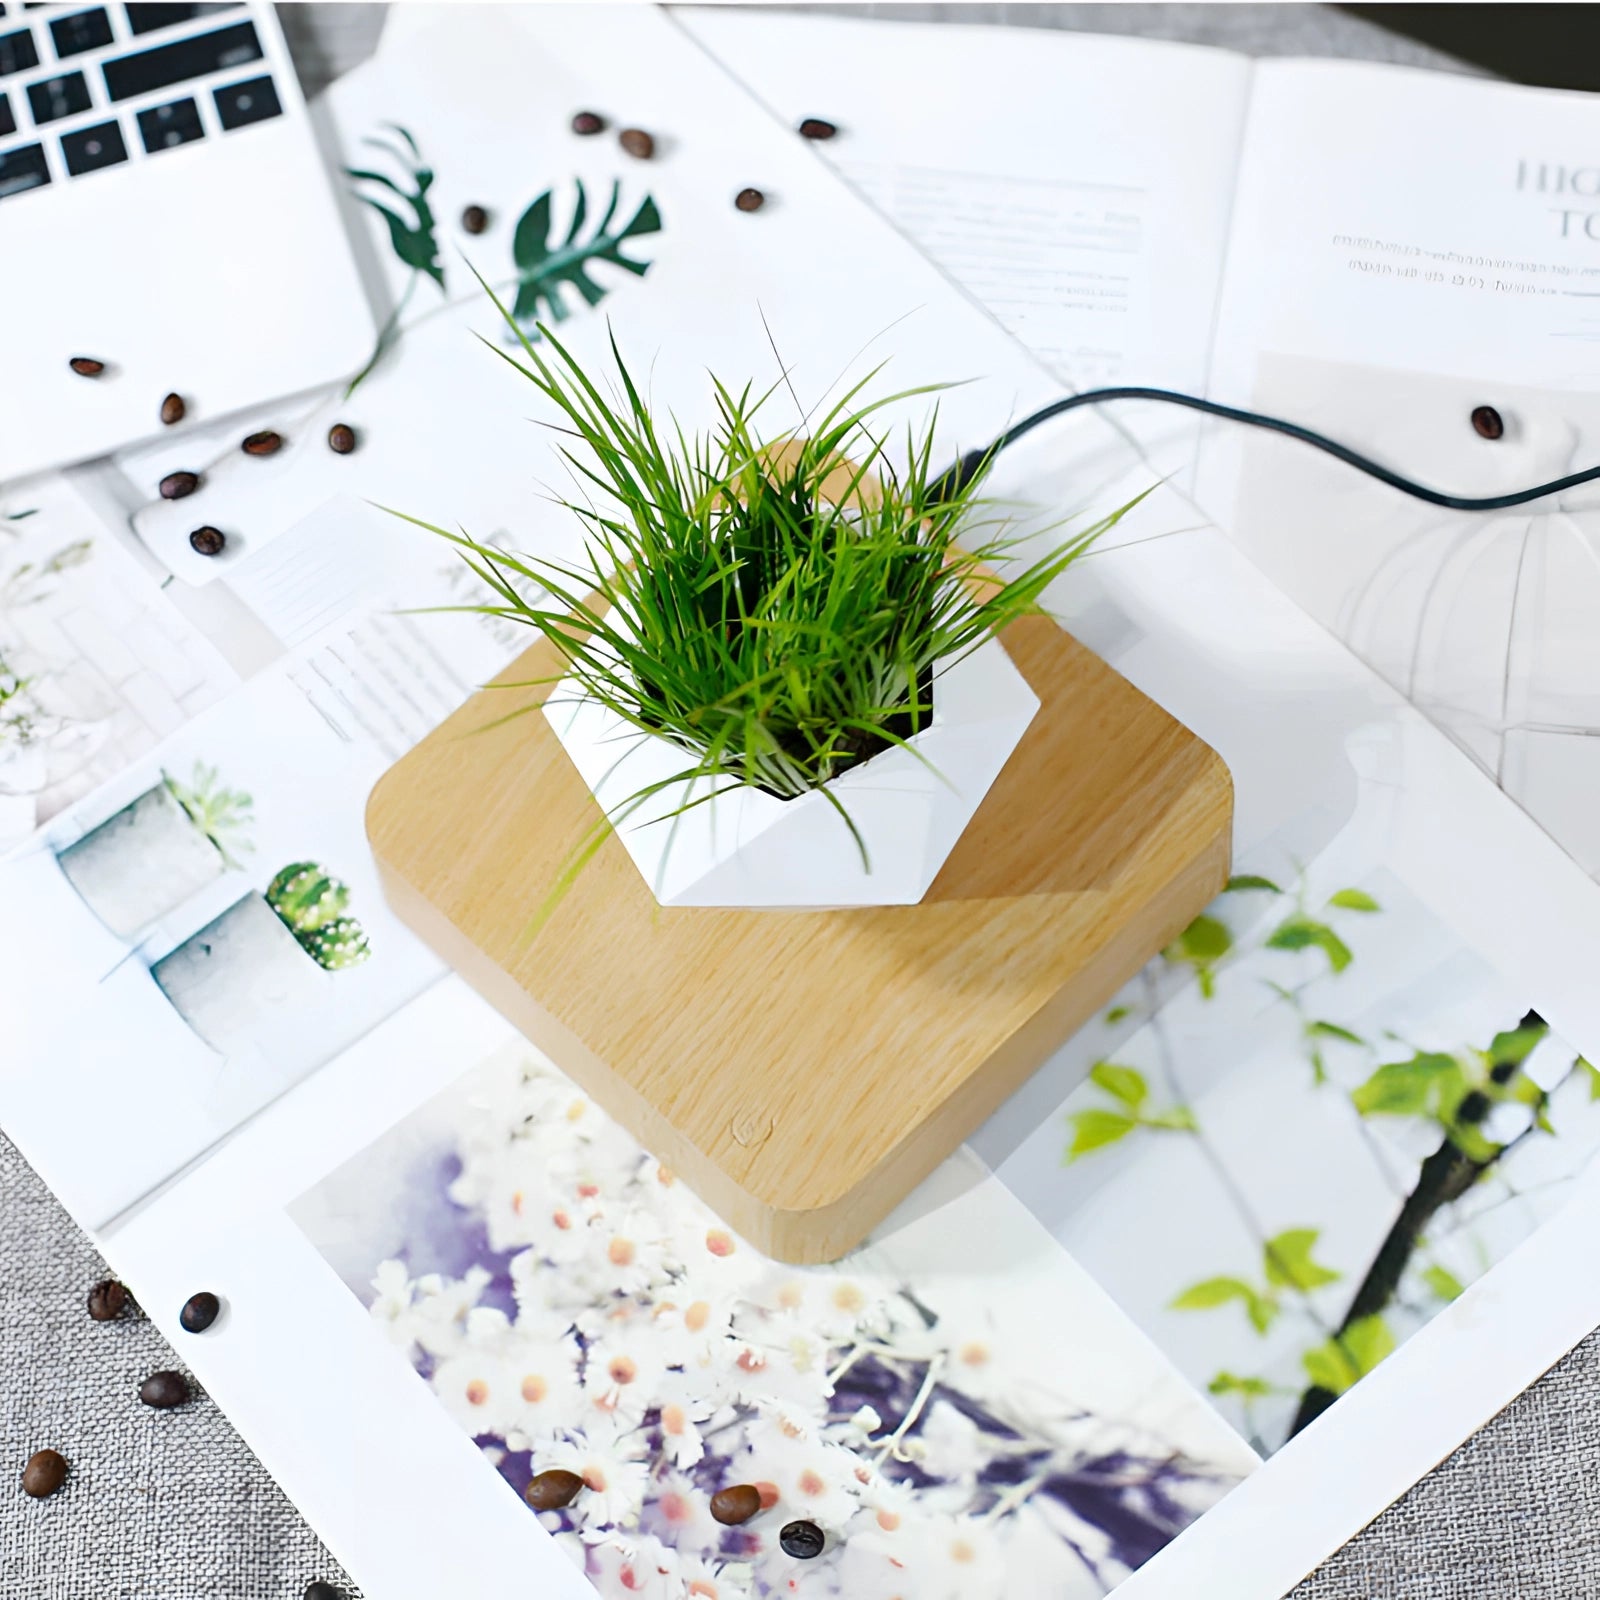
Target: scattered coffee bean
732,1506
107,1300
173,409
341,438
749,199
318,1590
549,1491
87,366
588,123
207,541
199,1310
1487,423
178,484
817,128
265,443
45,1472
637,143
163,1390
802,1540
474,219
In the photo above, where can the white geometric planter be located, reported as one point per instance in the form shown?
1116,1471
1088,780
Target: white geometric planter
748,848
141,863
240,977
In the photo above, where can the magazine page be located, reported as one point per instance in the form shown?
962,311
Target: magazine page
1134,1338
1077,186
1422,288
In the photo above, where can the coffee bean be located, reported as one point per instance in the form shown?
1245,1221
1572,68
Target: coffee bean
87,366
637,143
173,409
318,1590
732,1506
588,123
163,1390
265,443
474,219
1486,423
199,1310
45,1472
207,541
178,484
106,1300
341,438
817,128
749,199
549,1491
802,1540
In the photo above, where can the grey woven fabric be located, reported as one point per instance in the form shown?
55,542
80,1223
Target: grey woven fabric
173,1506
159,1505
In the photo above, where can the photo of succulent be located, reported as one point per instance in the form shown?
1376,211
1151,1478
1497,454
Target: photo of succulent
311,905
257,970
160,850
221,814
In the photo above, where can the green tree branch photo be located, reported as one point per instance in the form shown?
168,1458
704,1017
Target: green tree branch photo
1452,1094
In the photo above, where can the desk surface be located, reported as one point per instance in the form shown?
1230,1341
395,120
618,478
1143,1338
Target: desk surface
193,1513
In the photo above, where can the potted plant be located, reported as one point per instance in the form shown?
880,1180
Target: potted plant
159,849
266,956
781,677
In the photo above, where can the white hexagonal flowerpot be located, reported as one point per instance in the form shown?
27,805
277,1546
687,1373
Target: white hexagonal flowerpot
749,848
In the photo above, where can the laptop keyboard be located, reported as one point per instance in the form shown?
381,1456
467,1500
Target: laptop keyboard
87,88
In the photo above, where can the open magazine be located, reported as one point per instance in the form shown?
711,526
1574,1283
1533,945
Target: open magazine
1294,1215
1372,251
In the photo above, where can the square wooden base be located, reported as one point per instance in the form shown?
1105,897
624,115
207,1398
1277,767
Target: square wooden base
803,1071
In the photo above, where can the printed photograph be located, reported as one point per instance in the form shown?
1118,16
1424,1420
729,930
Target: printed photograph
1317,1119
95,666
956,1412
205,931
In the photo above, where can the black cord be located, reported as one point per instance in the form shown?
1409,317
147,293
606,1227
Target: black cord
974,462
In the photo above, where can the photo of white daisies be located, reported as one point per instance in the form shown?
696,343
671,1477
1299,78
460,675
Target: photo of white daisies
923,1405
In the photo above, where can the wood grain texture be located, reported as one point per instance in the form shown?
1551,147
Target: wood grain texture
803,1071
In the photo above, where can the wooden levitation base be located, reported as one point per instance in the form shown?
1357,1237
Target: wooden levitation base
803,1071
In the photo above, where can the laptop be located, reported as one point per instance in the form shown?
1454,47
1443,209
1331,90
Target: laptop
167,227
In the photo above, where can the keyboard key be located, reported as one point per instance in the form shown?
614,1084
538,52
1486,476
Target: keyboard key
54,98
83,30
166,64
17,52
240,103
162,127
8,117
147,18
23,168
85,149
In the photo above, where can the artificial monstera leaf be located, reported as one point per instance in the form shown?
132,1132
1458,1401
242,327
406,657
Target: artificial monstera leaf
543,268
414,242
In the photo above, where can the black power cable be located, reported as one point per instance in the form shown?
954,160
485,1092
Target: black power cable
974,461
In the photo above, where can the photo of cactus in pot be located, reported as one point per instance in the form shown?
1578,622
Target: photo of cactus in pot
247,977
312,904
159,850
